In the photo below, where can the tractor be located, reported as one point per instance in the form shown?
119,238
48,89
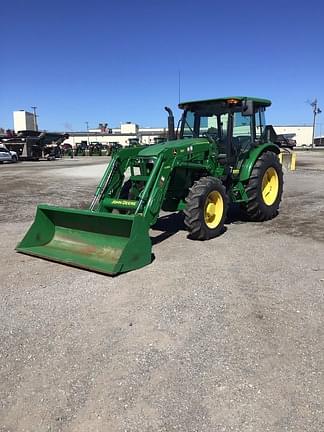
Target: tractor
221,153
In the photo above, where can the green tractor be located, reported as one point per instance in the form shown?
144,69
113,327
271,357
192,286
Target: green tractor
220,153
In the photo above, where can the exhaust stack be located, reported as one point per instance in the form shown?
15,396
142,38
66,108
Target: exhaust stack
171,132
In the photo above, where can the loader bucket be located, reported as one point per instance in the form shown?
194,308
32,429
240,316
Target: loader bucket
104,242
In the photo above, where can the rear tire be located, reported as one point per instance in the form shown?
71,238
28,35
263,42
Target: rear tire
264,188
206,209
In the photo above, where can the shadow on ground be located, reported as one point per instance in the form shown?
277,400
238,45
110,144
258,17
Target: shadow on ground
172,223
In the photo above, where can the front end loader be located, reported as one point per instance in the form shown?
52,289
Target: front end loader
221,153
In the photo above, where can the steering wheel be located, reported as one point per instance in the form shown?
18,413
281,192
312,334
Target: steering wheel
212,135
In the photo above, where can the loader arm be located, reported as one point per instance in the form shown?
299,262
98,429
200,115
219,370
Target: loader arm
99,238
113,177
149,200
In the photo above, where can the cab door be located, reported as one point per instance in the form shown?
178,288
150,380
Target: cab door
242,134
246,132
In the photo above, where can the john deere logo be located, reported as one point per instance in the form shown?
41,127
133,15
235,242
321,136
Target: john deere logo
124,202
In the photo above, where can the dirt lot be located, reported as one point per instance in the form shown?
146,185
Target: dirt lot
225,335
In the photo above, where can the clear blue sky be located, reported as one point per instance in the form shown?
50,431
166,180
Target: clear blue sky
118,61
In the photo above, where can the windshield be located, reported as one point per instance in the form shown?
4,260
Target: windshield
196,125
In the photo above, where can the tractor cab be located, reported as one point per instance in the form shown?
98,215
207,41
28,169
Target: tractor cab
234,124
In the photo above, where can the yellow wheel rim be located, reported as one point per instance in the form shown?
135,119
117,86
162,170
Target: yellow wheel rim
214,209
270,186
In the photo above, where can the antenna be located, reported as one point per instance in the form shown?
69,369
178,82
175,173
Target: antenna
179,85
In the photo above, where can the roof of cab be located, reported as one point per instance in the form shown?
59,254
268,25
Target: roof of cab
257,101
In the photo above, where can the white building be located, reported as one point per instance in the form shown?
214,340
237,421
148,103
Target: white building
302,134
24,120
125,135
129,132
152,135
128,128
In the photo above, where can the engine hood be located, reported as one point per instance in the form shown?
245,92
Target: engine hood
155,150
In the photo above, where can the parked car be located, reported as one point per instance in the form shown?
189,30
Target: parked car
7,155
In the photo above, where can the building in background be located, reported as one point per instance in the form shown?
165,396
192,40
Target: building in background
24,120
301,133
129,128
128,132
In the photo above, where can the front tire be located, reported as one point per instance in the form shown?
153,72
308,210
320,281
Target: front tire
264,188
206,209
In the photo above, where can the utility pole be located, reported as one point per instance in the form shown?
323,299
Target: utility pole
87,124
34,108
316,111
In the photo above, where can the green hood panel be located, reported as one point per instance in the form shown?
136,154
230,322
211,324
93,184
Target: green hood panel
157,149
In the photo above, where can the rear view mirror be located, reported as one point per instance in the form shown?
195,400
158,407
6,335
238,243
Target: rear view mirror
247,108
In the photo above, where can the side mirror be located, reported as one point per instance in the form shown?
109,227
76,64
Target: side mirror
247,108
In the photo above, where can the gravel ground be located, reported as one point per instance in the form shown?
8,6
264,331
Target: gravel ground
224,335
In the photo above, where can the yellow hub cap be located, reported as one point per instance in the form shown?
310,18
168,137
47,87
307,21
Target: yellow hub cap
214,209
270,186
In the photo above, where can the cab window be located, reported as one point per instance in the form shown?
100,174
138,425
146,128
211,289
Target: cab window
259,123
242,130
